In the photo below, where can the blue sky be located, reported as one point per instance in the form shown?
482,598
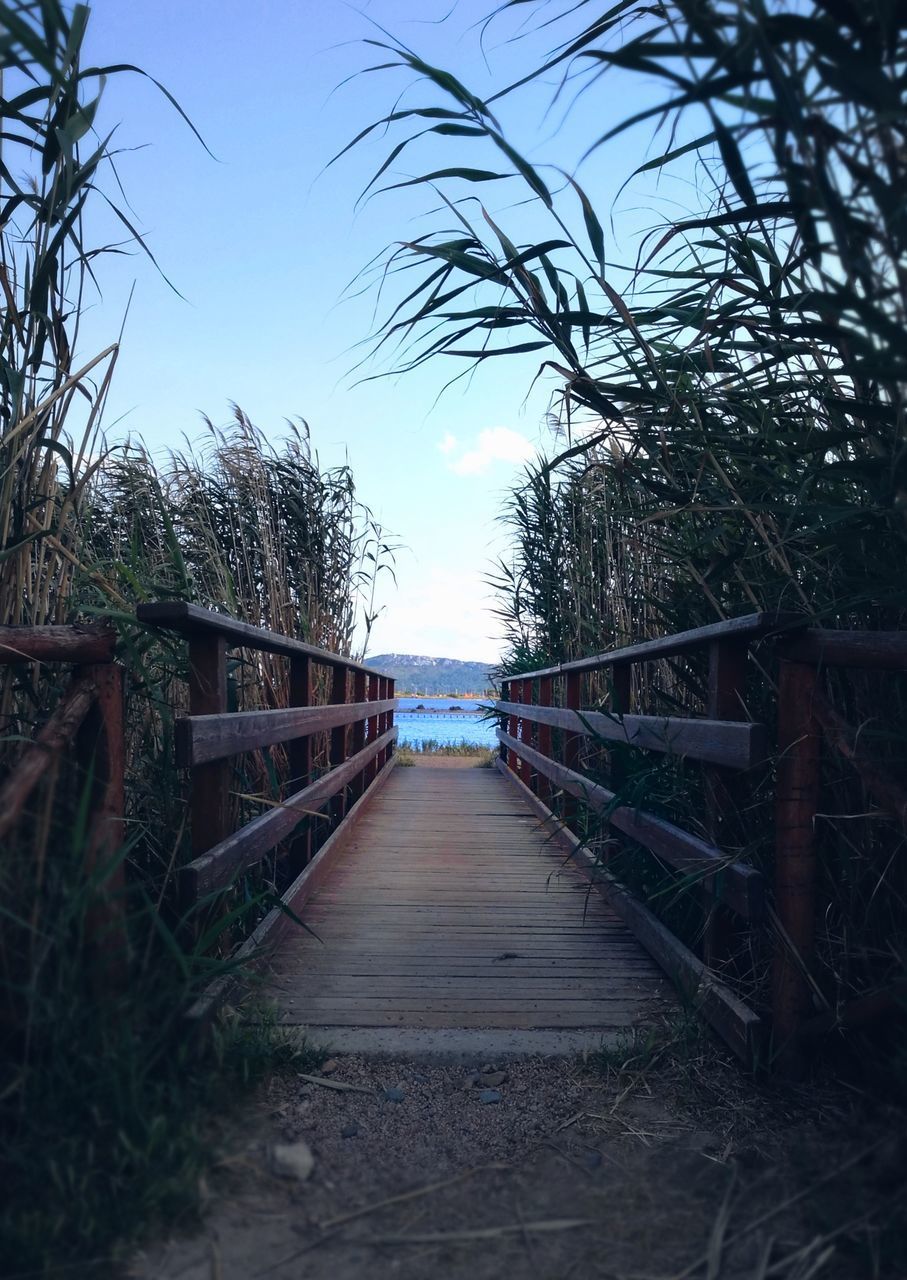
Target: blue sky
262,242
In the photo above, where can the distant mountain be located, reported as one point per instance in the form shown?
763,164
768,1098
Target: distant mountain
416,674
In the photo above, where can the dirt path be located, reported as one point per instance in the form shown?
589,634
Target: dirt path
560,1169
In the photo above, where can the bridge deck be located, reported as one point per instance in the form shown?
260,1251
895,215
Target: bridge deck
448,907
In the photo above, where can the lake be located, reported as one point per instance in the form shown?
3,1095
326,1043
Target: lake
447,721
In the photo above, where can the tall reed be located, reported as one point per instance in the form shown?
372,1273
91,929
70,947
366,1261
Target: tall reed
731,396
105,1106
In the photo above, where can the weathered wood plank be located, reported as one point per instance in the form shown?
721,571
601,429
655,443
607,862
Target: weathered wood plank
82,643
458,926
188,619
200,739
752,626
731,744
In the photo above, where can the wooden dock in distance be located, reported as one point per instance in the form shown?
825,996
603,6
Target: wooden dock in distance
448,907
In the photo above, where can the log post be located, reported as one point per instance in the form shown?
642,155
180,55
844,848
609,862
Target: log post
796,805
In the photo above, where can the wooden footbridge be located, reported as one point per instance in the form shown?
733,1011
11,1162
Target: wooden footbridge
412,904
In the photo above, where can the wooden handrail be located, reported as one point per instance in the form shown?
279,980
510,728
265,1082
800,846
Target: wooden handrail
200,739
192,619
753,626
79,644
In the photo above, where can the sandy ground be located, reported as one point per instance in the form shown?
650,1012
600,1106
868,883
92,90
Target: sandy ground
677,1168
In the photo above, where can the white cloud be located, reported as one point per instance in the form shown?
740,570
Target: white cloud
439,612
448,444
494,444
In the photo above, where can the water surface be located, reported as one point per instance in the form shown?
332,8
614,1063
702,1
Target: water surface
447,721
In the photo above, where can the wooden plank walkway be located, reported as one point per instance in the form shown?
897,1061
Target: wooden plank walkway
449,908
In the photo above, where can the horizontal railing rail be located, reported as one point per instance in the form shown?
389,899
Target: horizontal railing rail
735,745
193,621
355,728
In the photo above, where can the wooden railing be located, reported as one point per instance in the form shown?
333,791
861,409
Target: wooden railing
358,719
806,718
86,726
731,749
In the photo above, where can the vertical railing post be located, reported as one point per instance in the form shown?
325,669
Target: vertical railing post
209,804
300,760
513,728
360,682
339,684
621,705
505,697
532,736
100,746
544,738
391,693
371,728
796,805
384,685
725,788
572,742
524,729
